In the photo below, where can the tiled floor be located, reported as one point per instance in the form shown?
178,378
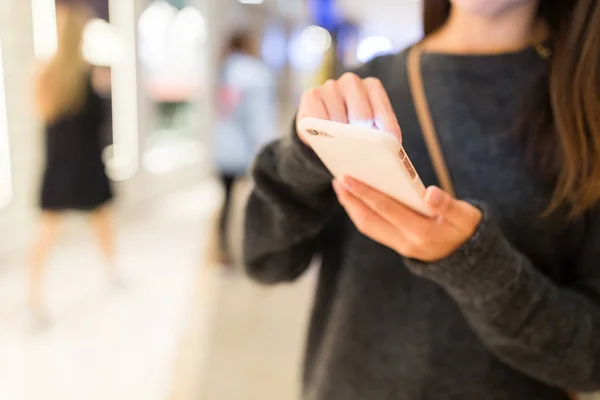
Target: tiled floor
104,344
256,344
256,352
181,329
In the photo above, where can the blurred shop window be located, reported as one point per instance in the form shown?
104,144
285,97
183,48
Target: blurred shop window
174,60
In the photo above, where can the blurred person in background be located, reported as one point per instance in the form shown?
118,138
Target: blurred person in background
497,297
247,119
74,177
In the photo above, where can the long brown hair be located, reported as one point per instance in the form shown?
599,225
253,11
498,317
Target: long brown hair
561,126
61,83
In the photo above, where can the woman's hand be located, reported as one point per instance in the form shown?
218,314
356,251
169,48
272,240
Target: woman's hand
396,226
351,100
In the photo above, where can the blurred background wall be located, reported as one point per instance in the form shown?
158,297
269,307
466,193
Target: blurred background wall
169,78
182,327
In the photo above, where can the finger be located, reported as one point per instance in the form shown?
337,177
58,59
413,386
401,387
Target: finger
312,105
371,224
395,212
383,112
334,102
356,100
460,214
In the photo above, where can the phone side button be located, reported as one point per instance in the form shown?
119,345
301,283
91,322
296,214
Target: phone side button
410,169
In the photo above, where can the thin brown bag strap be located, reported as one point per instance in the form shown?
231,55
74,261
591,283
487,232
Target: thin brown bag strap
426,121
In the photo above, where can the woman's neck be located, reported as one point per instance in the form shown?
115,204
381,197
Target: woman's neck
468,33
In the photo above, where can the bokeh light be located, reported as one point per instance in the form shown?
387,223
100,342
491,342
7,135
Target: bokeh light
373,46
316,39
274,47
101,45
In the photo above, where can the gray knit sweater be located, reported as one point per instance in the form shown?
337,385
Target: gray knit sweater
513,314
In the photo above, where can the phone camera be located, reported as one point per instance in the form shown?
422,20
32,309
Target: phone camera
313,132
402,154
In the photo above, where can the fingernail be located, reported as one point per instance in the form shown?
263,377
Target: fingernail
381,125
336,186
398,133
348,182
434,197
362,123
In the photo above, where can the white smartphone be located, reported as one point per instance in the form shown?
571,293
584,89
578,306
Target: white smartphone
369,155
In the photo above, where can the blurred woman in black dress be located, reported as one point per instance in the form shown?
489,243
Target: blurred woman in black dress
74,176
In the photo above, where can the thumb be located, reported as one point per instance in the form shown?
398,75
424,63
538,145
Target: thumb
460,214
438,201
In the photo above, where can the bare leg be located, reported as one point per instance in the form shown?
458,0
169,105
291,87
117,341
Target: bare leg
48,235
101,220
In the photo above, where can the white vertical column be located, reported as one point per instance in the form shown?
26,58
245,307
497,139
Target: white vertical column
45,40
23,141
6,189
125,161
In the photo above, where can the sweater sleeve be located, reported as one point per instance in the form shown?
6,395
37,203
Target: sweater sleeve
544,330
290,205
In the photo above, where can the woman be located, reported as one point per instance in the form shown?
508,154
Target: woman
499,296
247,118
74,177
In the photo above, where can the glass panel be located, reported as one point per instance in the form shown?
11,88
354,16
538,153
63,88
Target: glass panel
174,67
